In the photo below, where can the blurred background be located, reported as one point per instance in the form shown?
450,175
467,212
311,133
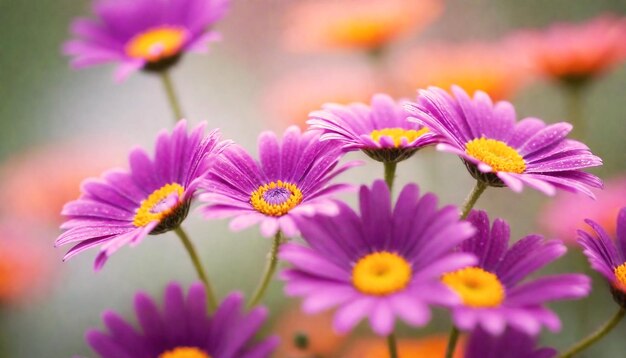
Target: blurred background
280,59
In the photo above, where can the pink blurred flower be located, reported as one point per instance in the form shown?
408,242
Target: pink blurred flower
576,52
317,25
26,265
566,214
494,68
290,99
36,183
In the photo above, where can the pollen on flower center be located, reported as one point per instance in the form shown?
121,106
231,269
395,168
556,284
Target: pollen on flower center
184,352
381,273
157,43
397,134
620,274
477,287
498,155
161,203
276,198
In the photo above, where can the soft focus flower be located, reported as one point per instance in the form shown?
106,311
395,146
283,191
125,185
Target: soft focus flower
290,99
305,335
291,179
493,68
492,292
501,152
33,198
356,24
426,347
510,344
123,207
25,265
574,53
562,216
184,329
143,34
383,264
381,130
606,256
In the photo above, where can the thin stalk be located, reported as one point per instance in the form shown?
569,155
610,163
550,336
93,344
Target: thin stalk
172,98
595,336
197,264
269,271
392,345
575,109
469,203
452,341
390,173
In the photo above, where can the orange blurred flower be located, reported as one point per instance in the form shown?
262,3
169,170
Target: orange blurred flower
37,183
290,99
356,24
427,347
316,330
491,67
25,265
576,52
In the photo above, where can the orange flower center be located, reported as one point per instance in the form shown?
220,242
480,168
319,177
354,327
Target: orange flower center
184,352
157,43
159,204
620,274
381,273
396,134
276,198
497,154
477,287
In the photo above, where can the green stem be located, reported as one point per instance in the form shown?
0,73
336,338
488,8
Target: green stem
596,336
269,271
479,188
212,302
452,340
172,98
390,173
392,345
575,111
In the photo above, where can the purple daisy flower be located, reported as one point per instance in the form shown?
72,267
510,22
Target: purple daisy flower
184,329
606,256
383,264
492,293
381,130
511,344
290,180
143,34
500,152
124,207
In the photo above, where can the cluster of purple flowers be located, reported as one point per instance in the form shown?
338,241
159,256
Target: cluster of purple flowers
387,260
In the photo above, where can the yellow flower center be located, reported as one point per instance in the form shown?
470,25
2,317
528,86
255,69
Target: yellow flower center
276,198
498,155
159,204
381,273
184,352
157,43
620,273
397,134
477,287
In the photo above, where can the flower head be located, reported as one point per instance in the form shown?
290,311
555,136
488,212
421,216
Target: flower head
143,34
382,264
562,216
606,256
490,67
123,207
184,329
381,130
493,293
433,346
290,180
511,344
356,24
501,152
575,53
